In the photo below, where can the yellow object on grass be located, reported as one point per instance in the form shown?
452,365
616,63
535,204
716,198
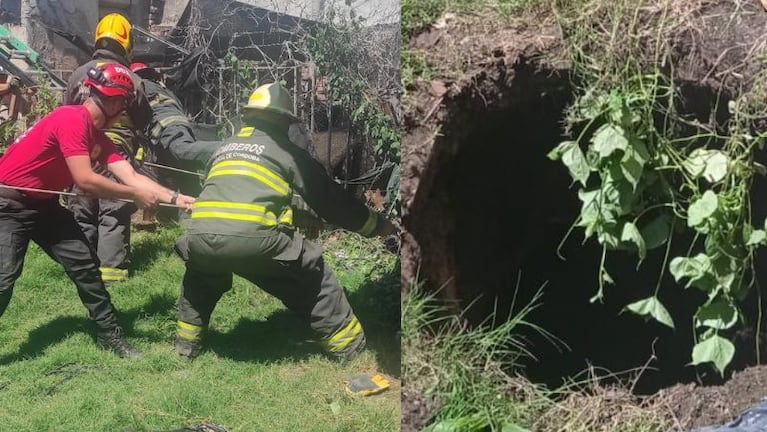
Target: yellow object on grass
365,385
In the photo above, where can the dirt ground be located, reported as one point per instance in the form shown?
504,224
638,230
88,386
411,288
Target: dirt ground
417,410
695,406
471,71
686,406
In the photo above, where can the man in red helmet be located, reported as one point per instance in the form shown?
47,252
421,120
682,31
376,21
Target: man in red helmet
57,152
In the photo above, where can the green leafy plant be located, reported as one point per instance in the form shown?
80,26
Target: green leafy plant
42,100
336,49
646,173
8,132
45,100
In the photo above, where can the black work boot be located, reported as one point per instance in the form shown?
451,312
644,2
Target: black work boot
189,349
113,340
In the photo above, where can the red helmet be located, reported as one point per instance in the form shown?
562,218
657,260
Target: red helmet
144,71
137,66
111,79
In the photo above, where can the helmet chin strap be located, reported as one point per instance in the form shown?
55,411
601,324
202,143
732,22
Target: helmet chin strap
100,104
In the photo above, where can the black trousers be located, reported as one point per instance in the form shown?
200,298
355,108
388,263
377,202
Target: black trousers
106,225
55,230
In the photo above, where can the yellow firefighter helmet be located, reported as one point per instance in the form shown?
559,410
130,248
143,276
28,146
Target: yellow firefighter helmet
115,27
272,98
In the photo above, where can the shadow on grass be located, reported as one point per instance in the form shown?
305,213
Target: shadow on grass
46,335
377,305
151,247
282,336
57,329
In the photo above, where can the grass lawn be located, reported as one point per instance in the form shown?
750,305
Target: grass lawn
260,370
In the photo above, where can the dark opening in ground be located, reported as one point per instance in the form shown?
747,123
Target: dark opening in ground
510,206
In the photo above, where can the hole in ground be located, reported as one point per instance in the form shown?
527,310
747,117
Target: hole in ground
507,207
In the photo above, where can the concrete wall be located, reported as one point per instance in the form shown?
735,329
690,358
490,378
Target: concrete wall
76,16
375,11
172,11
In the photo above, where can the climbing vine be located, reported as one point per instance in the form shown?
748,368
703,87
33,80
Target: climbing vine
647,175
340,55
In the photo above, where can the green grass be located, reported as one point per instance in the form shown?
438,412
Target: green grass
261,370
474,375
466,369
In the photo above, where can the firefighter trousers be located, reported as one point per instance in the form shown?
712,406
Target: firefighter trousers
106,225
54,229
285,265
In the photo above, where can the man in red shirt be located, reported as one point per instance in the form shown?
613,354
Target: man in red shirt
54,154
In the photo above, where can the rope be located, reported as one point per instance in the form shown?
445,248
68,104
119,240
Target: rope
173,169
28,189
370,176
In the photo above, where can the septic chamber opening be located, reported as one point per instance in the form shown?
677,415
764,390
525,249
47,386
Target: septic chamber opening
511,207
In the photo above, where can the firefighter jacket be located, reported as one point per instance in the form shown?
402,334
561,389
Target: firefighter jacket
250,185
171,131
166,109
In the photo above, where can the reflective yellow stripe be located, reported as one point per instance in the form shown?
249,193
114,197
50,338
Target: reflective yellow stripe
187,326
346,340
370,224
111,274
256,167
246,132
229,204
118,139
286,217
248,173
343,337
155,132
188,337
217,209
160,99
252,170
263,220
188,331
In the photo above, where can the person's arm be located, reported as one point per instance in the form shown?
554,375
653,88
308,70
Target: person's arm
332,202
125,172
95,184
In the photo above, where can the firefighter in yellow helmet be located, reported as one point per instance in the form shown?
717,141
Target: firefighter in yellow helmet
112,31
242,223
106,223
